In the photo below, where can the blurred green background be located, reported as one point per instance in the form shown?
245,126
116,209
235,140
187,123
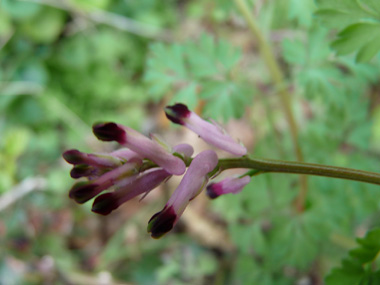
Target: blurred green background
65,65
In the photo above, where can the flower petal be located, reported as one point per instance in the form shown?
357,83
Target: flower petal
109,132
106,203
162,222
84,170
210,133
75,157
141,145
184,149
190,186
82,192
126,154
227,185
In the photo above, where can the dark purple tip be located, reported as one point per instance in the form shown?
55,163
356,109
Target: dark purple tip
177,113
162,222
212,191
105,204
83,191
73,156
109,132
82,170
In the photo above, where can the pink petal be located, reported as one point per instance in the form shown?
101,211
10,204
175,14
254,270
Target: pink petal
210,133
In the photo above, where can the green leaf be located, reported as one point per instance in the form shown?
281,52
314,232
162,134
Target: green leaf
165,69
373,5
20,9
201,57
187,95
205,67
15,142
335,18
355,36
297,240
294,51
228,102
360,23
45,26
226,55
369,50
353,269
348,6
301,10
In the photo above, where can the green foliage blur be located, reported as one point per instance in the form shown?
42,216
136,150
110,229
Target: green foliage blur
65,65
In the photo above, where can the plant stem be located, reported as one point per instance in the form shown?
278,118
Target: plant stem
279,166
261,166
278,79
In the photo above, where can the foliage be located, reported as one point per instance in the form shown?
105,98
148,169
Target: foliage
360,266
199,70
360,24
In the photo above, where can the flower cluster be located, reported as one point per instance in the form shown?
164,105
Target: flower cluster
144,163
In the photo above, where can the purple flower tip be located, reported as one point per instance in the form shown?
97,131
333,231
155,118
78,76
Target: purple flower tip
105,204
81,170
162,222
72,156
214,190
109,132
177,113
228,185
81,192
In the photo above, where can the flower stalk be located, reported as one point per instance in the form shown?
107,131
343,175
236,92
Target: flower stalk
261,166
293,167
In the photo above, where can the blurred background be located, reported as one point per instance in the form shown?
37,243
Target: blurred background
65,65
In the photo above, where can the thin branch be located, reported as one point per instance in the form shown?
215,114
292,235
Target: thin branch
111,19
19,191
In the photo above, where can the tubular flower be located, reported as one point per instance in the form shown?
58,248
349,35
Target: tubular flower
90,165
140,144
82,191
227,185
210,133
75,157
193,182
150,179
126,155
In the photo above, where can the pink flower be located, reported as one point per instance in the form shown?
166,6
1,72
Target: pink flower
227,185
83,191
74,156
184,149
140,144
210,133
90,165
144,183
193,182
126,155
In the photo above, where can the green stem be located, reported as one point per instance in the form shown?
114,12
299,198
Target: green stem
278,79
279,166
260,166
